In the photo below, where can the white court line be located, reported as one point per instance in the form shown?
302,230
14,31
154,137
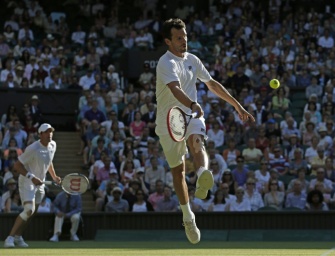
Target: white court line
328,252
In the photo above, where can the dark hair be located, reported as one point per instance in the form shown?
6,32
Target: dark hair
172,23
215,200
312,193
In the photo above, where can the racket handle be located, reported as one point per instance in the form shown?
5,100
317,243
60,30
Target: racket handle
48,182
194,115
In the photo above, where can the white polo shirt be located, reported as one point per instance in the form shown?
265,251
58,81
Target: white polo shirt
186,71
37,158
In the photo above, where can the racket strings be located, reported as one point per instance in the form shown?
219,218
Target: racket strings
177,123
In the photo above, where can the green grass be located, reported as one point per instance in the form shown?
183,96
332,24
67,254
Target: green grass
151,248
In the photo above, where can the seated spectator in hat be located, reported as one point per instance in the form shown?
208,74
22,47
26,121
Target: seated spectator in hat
319,161
274,197
297,162
157,195
219,203
231,153
154,172
308,134
9,188
36,111
296,198
252,154
167,203
301,177
240,204
315,201
141,204
294,143
325,140
117,204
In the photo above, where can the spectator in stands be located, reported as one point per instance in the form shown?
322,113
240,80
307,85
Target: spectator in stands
13,203
278,161
216,134
79,36
214,155
157,195
308,134
240,172
325,140
263,175
167,203
12,144
321,178
146,75
219,202
141,204
10,186
17,133
67,206
315,201
319,160
251,154
301,176
117,204
87,80
94,114
329,169
253,195
296,198
137,126
274,198
240,203
153,173
279,101
233,133
105,171
127,172
297,162
231,153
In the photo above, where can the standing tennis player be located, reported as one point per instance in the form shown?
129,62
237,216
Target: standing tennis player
177,72
32,166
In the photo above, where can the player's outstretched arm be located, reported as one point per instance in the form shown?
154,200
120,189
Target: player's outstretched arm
217,88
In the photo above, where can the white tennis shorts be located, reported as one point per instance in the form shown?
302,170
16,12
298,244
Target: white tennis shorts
175,151
30,192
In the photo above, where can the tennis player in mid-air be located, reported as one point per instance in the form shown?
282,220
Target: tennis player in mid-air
32,166
177,72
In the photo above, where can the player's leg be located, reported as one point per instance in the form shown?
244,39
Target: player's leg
195,142
175,156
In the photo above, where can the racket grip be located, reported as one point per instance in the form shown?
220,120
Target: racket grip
48,182
194,114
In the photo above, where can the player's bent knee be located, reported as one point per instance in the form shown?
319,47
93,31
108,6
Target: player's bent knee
198,143
28,210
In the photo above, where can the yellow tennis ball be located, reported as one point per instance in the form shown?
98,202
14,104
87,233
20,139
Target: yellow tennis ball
274,84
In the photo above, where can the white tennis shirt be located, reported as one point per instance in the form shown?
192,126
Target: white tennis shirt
38,158
186,71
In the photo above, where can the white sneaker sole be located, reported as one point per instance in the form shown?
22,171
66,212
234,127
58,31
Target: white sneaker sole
204,183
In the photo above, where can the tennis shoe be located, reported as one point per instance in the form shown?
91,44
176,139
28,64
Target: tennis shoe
75,238
54,238
192,232
20,242
9,242
204,183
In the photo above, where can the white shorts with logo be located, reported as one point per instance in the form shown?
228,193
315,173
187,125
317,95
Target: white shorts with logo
30,192
175,151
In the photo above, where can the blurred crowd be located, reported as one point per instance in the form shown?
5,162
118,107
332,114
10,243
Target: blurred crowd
285,160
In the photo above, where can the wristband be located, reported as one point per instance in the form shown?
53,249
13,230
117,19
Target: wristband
30,176
192,104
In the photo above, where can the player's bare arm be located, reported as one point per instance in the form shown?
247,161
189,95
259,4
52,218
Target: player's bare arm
222,92
180,95
52,172
19,167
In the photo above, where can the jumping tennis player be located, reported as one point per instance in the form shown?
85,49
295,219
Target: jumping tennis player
32,166
177,73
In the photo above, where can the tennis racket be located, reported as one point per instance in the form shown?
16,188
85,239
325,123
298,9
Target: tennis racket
177,122
73,183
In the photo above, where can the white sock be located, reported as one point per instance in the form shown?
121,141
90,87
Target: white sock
187,212
200,170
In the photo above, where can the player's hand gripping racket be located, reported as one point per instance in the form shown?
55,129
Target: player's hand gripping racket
177,122
73,183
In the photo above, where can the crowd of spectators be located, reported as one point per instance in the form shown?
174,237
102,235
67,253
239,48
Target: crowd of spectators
283,160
